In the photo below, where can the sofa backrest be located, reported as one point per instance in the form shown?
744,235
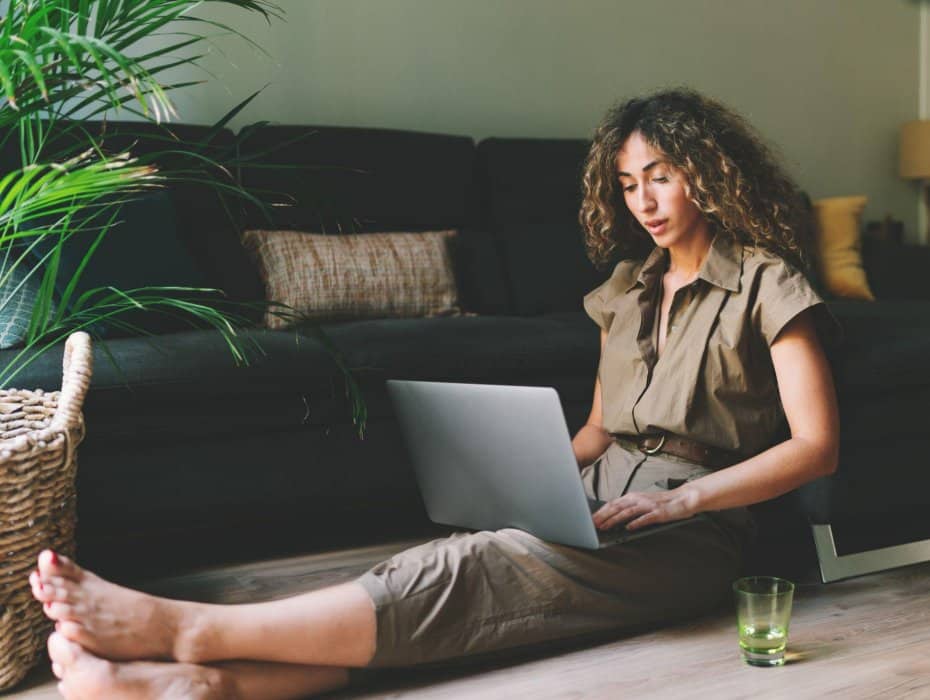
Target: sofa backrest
531,194
209,222
514,201
359,180
178,236
349,180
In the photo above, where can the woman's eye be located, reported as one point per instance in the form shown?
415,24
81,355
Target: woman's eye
661,178
629,188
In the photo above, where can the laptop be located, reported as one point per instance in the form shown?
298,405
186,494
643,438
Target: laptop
490,456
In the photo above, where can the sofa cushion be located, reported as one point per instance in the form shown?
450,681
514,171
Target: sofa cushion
187,384
356,180
871,480
884,348
479,273
18,295
208,218
471,348
143,249
547,267
185,224
194,360
530,180
531,195
838,243
353,276
897,271
360,180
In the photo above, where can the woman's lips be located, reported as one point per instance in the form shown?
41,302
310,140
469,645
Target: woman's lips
656,226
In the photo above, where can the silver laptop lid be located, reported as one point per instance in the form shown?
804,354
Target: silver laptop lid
488,457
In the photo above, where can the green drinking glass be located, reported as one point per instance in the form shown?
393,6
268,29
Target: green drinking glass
763,610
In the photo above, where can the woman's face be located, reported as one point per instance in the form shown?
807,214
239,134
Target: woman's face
655,194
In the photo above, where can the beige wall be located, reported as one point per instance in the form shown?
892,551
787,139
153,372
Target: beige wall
827,81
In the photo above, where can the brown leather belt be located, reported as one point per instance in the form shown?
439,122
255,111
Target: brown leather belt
681,447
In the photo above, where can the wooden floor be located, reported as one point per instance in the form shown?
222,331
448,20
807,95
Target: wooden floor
863,638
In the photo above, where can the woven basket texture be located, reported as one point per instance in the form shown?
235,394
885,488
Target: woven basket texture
39,432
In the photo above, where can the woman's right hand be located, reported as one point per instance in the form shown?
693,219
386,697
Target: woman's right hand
638,509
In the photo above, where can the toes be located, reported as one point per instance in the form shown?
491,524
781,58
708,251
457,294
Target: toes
60,589
81,673
63,651
72,631
46,592
57,611
48,563
53,564
38,591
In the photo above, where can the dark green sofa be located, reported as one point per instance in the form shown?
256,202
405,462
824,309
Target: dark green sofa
190,460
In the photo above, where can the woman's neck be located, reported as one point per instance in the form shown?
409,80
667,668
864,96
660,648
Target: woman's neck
685,258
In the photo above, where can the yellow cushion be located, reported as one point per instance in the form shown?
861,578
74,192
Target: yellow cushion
839,247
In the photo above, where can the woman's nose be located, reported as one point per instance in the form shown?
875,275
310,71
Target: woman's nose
644,200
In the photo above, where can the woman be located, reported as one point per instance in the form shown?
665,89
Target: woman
707,345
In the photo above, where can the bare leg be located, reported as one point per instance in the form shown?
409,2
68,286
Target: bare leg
332,627
83,675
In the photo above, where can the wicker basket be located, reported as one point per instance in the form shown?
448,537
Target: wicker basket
39,432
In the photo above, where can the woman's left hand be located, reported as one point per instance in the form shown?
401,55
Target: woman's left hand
638,509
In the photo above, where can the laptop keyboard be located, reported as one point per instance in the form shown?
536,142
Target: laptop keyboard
595,504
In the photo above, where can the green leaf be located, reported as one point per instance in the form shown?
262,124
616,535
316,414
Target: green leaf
33,67
85,259
6,82
61,59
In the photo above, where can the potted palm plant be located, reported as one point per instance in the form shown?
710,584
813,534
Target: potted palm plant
63,63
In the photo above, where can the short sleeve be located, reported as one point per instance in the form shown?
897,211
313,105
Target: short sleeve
598,302
783,293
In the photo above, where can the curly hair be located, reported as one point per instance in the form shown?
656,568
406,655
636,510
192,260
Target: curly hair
730,174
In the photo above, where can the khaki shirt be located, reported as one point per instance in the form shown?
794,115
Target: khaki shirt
714,382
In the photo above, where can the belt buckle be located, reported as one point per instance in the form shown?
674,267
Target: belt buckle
653,450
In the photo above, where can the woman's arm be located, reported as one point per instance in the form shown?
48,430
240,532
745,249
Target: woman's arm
805,384
591,440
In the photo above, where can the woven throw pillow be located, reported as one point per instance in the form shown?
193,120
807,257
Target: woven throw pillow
369,275
839,247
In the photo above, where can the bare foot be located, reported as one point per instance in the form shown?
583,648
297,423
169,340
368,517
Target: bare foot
85,676
111,621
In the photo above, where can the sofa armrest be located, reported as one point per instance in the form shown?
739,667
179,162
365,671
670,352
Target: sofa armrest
897,271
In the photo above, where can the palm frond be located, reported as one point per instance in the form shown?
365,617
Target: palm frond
64,58
51,51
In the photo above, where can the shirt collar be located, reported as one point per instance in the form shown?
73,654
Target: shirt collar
654,264
722,267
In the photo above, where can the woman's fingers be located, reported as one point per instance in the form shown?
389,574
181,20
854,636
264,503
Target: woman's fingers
619,511
609,511
650,518
636,510
633,515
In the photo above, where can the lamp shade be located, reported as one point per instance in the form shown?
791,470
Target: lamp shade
914,157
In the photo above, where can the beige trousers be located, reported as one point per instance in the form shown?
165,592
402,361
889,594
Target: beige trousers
480,592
